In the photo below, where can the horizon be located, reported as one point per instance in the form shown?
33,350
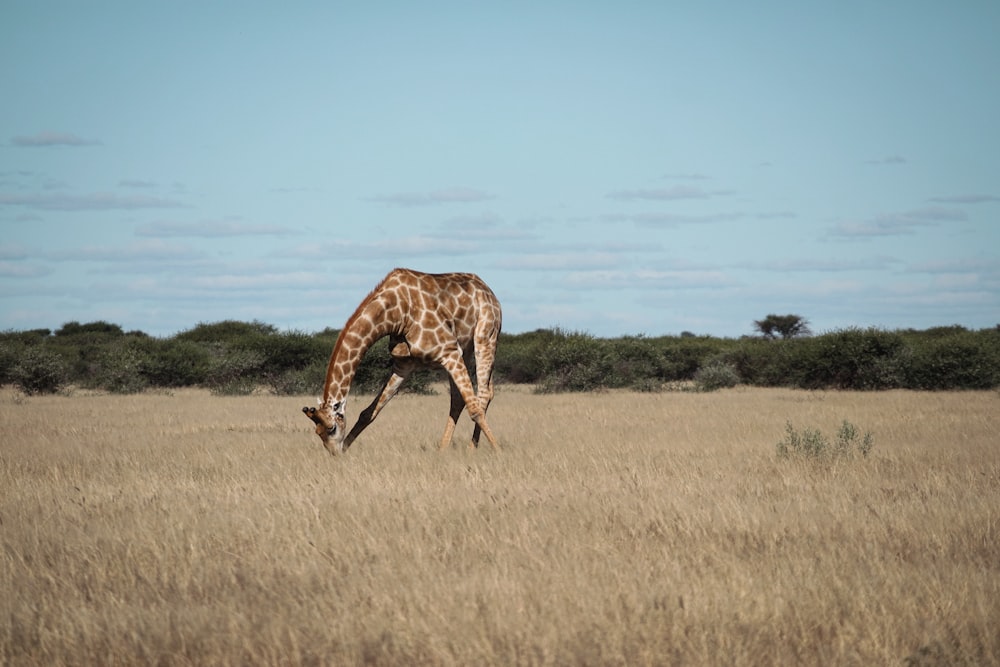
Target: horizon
628,169
755,333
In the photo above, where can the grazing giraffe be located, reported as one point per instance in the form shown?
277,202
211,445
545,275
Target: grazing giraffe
430,319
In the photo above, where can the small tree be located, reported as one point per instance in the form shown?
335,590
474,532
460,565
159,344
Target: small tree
786,326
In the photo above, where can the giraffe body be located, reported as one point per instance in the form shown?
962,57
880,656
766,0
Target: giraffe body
444,320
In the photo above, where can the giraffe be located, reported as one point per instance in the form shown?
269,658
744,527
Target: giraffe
445,320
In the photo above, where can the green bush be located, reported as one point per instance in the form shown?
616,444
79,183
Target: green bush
520,358
635,362
27,337
307,381
120,369
11,351
850,441
235,373
573,363
91,329
236,357
176,363
225,332
39,371
280,353
850,359
288,351
683,356
765,363
102,354
954,359
812,444
715,375
557,361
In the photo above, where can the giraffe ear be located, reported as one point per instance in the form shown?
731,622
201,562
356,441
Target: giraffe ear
319,400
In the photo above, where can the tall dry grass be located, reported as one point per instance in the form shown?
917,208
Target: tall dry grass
612,529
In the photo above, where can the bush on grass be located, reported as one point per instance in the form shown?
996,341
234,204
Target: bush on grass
811,444
39,371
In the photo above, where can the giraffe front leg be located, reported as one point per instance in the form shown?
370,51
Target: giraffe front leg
369,414
457,405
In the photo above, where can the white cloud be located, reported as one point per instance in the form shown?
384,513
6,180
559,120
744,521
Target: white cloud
686,176
561,261
966,199
667,194
591,272
898,224
43,139
22,270
821,265
474,221
146,250
97,201
669,219
958,265
12,251
419,246
887,160
482,227
25,180
398,250
651,279
456,195
135,183
931,214
293,190
957,281
256,281
824,289
868,229
210,229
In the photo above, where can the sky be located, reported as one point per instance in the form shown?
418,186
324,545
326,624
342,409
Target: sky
615,168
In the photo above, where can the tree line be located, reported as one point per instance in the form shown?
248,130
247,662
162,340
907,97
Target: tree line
233,357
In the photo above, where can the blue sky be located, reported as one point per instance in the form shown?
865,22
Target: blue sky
609,167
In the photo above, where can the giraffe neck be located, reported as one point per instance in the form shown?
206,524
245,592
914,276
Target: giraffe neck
367,325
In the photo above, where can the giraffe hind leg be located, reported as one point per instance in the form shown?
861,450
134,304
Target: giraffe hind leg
485,428
485,360
463,385
481,426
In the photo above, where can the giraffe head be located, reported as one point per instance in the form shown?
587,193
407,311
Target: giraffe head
330,425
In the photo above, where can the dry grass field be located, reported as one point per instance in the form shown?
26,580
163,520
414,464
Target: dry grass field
612,529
